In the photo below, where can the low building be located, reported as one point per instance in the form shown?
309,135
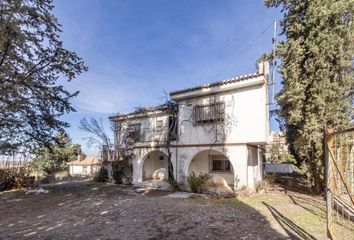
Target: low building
276,147
84,166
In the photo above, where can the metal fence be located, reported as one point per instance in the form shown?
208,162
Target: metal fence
340,184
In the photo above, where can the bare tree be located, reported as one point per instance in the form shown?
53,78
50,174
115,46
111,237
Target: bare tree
171,136
97,135
122,140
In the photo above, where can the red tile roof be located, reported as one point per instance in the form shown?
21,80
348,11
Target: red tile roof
87,161
219,83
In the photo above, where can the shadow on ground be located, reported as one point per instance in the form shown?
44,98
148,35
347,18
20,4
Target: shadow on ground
87,210
292,229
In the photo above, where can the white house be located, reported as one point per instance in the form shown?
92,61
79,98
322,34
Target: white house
84,166
217,128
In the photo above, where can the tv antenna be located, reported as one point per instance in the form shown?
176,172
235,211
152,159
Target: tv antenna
274,63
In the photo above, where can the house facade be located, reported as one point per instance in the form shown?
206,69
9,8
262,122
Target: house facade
218,128
84,166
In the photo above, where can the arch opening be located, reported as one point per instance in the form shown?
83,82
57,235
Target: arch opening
155,166
214,163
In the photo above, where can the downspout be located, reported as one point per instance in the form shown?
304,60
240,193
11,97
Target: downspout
177,177
177,122
247,166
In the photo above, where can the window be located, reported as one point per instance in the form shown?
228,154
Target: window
220,164
172,127
84,169
134,131
212,113
159,127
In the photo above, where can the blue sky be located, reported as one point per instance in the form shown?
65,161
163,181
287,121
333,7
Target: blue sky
136,49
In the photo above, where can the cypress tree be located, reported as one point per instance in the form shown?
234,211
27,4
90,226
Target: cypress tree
317,70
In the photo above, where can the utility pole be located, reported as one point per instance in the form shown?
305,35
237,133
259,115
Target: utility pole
271,86
274,40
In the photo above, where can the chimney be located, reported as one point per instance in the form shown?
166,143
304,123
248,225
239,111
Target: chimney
263,68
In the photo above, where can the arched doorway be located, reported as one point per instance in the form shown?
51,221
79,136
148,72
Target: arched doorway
155,166
216,164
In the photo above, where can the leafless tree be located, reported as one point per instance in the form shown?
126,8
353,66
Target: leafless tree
171,135
97,135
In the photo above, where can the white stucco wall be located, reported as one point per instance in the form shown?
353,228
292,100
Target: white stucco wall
153,167
246,117
140,156
246,121
254,167
237,155
148,128
201,164
78,170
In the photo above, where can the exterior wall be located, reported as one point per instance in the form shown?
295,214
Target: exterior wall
201,164
78,170
245,161
148,128
237,155
254,166
153,167
140,156
245,121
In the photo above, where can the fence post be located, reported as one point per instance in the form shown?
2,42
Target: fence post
327,141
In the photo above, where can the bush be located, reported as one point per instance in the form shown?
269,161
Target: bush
102,175
122,171
117,173
15,178
262,186
176,186
198,183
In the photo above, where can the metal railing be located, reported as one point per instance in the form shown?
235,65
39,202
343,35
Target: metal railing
340,184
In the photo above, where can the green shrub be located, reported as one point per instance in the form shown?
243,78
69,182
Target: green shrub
117,172
176,186
122,169
198,183
102,175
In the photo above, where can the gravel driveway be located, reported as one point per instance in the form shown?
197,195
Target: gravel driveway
87,210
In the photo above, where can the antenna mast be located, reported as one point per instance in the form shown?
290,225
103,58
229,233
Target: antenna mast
271,85
273,61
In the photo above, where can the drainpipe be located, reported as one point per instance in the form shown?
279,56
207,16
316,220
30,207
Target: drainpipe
247,165
177,176
176,149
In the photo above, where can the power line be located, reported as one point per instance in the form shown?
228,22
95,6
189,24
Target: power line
250,44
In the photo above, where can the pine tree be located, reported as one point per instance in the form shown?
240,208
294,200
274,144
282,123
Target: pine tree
317,70
32,58
56,156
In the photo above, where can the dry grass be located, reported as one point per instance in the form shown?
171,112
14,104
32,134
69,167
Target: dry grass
88,210
296,215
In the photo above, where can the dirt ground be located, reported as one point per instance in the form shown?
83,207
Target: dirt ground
88,210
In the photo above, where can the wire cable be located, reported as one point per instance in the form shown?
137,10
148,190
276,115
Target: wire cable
250,44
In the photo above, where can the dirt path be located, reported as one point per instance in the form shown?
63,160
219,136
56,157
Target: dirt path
89,210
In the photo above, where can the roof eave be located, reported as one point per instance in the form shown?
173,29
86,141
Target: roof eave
219,88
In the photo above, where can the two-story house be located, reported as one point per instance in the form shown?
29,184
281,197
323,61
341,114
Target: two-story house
217,128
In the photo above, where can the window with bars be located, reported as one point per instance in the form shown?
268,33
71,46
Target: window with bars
159,127
211,113
134,131
172,128
220,164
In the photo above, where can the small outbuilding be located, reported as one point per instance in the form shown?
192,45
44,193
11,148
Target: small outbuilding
84,166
